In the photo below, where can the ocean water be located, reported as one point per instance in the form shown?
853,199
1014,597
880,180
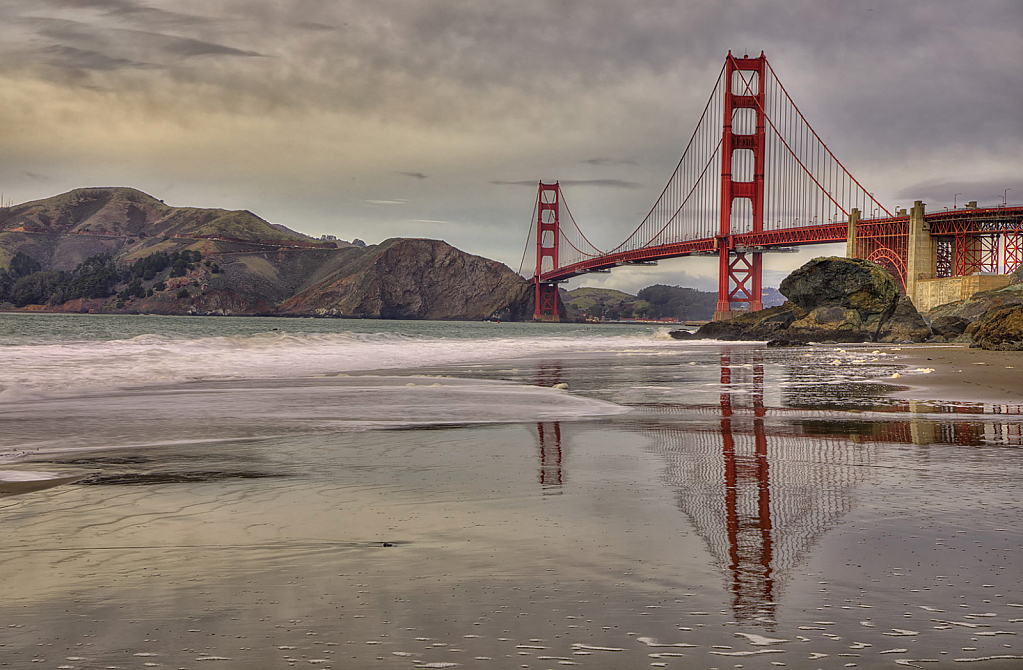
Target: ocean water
269,493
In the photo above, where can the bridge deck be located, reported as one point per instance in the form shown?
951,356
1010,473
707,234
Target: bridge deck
992,220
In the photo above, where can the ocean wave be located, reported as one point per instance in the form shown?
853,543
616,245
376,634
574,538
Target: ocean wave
152,358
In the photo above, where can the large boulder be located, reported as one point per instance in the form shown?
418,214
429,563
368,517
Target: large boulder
768,324
846,299
949,327
838,299
999,329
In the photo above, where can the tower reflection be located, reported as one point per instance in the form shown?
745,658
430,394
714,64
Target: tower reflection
759,490
763,480
747,501
549,434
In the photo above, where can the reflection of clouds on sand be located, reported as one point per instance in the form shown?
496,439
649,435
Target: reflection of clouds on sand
16,482
233,409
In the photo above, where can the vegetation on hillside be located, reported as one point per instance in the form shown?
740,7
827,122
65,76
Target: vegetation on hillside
678,302
26,283
653,302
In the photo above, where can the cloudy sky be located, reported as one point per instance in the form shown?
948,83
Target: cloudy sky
424,118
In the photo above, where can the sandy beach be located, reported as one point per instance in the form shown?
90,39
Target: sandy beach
962,373
681,505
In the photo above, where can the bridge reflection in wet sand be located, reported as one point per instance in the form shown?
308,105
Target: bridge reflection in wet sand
761,484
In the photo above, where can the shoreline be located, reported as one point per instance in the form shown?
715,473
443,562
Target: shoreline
960,374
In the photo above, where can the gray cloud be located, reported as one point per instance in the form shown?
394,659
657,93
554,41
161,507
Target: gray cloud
89,60
943,193
312,25
920,99
189,47
602,183
131,10
600,162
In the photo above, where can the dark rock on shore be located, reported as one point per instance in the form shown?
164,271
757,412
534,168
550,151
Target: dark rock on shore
949,327
999,329
980,304
830,299
975,319
846,299
785,343
682,335
767,324
905,324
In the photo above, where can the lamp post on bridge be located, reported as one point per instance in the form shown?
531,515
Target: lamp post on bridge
955,199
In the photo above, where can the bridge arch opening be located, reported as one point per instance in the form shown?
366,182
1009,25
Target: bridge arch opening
742,214
893,263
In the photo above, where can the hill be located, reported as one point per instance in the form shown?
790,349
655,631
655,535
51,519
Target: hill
121,250
653,302
600,303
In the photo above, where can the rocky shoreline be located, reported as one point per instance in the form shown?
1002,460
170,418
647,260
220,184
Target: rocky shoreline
844,300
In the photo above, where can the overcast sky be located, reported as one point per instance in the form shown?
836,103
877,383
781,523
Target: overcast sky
424,118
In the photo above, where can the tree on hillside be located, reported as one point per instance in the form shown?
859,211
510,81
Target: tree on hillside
92,278
34,289
25,283
678,302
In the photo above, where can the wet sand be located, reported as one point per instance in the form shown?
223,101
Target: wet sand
752,509
962,373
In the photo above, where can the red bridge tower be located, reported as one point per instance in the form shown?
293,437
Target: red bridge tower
739,271
547,235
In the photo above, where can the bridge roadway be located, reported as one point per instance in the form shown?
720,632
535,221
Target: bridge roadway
947,223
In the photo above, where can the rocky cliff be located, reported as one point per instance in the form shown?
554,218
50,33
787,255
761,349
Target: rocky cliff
415,279
238,264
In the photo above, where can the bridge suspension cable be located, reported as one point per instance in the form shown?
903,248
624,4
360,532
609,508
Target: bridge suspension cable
808,185
805,185
688,205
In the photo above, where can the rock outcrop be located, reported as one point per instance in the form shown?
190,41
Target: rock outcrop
768,324
985,319
999,329
846,300
830,299
905,324
949,327
416,279
980,304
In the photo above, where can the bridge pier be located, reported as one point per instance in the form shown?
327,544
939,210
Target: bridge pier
740,279
850,235
921,252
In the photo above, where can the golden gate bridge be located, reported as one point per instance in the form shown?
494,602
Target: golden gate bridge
756,178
